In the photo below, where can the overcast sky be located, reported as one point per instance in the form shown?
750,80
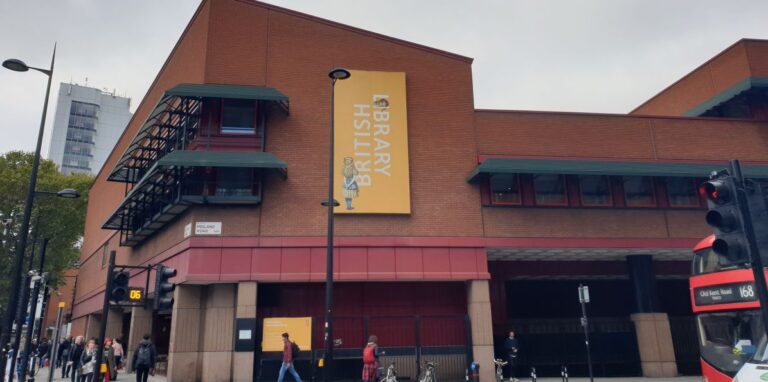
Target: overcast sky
563,55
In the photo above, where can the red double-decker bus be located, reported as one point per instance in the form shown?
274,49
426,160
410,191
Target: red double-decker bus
729,325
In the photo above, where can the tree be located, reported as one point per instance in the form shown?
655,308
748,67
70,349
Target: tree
58,219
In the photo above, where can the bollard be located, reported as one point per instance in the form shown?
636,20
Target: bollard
533,374
564,373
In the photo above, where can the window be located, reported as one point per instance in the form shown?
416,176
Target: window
595,190
639,192
234,182
549,189
104,255
238,116
682,192
505,189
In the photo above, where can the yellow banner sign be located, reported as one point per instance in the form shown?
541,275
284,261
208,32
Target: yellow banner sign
298,328
371,144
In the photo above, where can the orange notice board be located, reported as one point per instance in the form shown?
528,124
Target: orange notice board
299,329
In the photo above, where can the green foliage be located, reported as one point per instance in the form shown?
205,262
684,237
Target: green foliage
58,219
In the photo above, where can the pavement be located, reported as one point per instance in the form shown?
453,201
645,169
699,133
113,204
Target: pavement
42,376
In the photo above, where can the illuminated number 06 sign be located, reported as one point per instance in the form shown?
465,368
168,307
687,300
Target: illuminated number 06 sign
136,295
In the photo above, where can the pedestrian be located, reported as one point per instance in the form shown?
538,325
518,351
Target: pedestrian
371,355
21,365
62,358
511,346
42,351
117,346
144,359
88,361
290,352
75,353
109,360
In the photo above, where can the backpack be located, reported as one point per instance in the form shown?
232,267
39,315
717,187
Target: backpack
294,350
369,354
144,356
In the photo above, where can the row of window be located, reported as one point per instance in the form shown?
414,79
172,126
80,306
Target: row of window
222,182
594,191
84,109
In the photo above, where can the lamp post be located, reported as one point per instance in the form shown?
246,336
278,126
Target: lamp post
21,245
335,74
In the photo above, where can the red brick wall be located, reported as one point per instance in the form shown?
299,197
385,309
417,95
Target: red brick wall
64,294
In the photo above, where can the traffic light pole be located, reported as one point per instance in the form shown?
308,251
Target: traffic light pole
104,316
755,259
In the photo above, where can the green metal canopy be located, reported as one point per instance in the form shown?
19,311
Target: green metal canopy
250,159
262,93
587,167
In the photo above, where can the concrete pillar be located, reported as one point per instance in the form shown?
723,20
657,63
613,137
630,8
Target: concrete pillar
184,349
242,362
218,328
643,278
92,327
115,323
141,324
479,308
654,338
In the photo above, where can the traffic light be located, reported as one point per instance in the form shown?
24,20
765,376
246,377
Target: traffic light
164,288
119,290
724,216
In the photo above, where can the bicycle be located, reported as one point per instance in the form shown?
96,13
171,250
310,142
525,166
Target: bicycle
429,372
499,369
391,375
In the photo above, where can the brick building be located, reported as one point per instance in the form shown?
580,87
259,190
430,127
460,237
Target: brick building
509,210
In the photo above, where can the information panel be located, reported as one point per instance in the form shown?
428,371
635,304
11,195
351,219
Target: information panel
299,329
725,294
136,295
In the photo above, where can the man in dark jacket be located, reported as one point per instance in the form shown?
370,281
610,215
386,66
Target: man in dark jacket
75,353
144,359
511,346
62,356
42,351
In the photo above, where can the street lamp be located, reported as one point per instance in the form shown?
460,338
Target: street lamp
335,74
21,245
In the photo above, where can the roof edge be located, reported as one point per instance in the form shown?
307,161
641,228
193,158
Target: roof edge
350,28
732,46
579,113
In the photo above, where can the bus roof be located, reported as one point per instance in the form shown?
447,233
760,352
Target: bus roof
705,243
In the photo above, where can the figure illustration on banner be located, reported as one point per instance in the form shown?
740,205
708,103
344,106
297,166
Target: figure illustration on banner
351,189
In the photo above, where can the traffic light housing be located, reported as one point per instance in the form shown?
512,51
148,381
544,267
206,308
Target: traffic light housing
164,288
724,215
119,286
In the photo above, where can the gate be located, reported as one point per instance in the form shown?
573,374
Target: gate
408,341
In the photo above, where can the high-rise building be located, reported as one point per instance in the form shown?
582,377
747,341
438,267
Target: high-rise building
88,123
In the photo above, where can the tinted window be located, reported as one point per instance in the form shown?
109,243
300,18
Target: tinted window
505,189
238,117
638,191
595,190
550,189
682,192
234,182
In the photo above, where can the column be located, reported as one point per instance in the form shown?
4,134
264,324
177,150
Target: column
242,361
92,327
184,349
141,324
217,329
654,336
479,308
115,324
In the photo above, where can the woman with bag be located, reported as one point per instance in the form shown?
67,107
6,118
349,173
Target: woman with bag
109,360
371,355
88,361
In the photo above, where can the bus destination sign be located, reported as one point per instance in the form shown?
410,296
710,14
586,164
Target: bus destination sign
725,294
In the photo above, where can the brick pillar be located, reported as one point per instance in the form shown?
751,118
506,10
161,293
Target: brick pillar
479,307
654,338
217,330
184,349
242,362
141,324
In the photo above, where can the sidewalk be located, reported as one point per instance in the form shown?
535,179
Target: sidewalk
42,376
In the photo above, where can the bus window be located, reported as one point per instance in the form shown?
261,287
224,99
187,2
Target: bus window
728,339
706,261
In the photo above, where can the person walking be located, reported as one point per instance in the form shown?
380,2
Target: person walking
371,355
88,361
42,351
109,360
290,351
75,353
511,346
117,347
62,355
144,359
